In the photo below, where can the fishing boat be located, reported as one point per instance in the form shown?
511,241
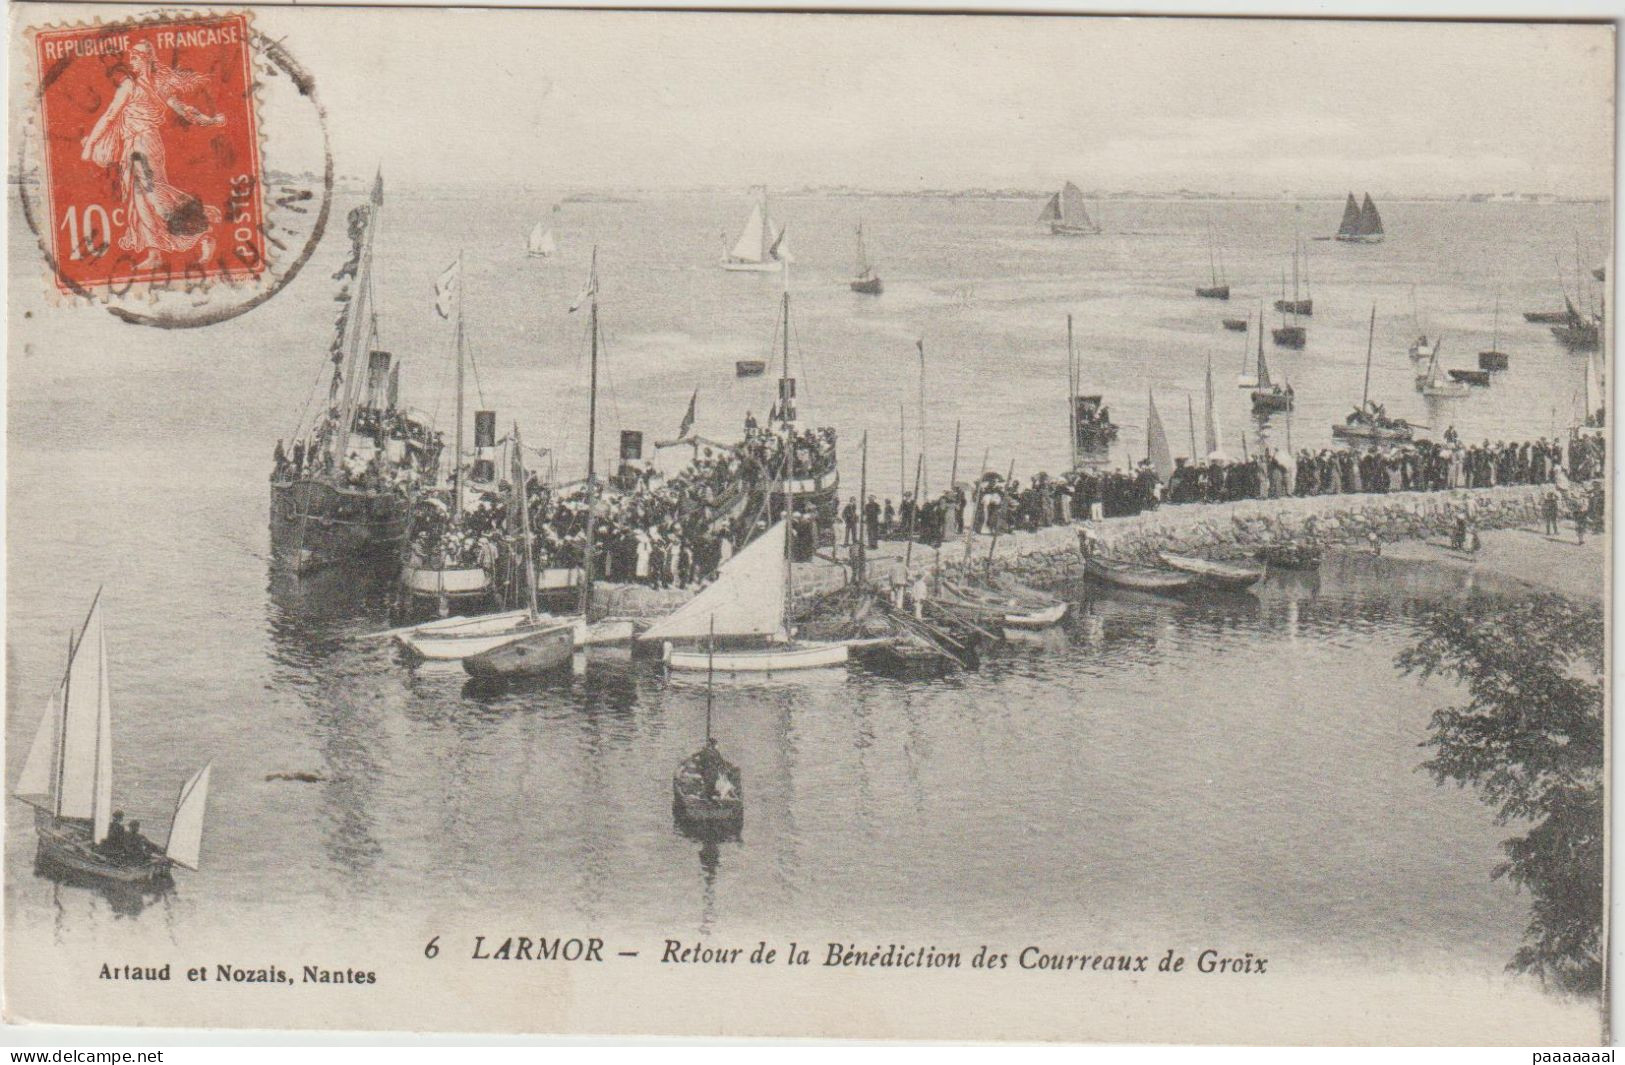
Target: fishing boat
1370,421
1228,576
1093,432
1477,378
540,244
749,602
1269,397
1290,334
865,280
1548,317
760,247
1217,287
68,780
437,575
1580,334
1136,577
1295,306
708,791
346,494
1236,325
749,368
1066,214
1362,224
1494,358
1435,385
1248,376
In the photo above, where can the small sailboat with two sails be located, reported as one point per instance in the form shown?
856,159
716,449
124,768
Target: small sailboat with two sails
1361,224
68,780
1066,215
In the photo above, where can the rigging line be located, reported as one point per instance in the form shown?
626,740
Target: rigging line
325,370
609,380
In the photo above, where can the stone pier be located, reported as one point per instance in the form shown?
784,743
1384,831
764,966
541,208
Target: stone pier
1236,530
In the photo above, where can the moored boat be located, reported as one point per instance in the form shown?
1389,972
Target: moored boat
865,280
1478,378
534,654
1269,397
1231,576
1136,577
1236,325
749,368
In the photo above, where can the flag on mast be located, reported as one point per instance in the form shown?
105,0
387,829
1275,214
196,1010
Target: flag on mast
448,287
688,419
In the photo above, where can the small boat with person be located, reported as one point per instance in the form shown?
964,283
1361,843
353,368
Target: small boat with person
68,780
1370,421
865,280
1267,396
708,791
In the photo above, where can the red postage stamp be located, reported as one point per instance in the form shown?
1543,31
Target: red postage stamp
151,152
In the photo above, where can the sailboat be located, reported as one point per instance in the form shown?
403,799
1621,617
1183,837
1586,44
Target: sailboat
68,780
442,580
1370,420
1360,225
1269,396
1293,335
865,280
1435,385
540,244
1093,433
1248,377
1213,435
760,247
1494,358
1217,287
1066,214
1297,306
708,791
749,602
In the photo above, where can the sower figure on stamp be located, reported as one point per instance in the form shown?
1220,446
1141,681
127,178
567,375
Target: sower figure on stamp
159,218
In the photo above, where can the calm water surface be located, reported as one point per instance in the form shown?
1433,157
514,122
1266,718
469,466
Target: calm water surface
1240,770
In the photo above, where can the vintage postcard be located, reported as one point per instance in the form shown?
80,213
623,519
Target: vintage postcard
886,526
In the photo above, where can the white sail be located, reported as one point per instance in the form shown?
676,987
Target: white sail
35,783
746,599
541,242
82,723
1157,452
102,804
1211,440
186,830
754,242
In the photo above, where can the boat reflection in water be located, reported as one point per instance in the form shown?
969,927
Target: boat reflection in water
124,898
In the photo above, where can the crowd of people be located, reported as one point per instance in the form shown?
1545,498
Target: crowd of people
1000,504
416,451
662,531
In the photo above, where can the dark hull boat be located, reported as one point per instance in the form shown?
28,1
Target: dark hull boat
869,286
1491,360
1305,308
1213,292
1546,317
1273,399
866,281
708,798
317,522
1290,336
1578,336
534,655
1066,214
1361,224
66,844
1480,378
1388,434
1229,576
1236,325
749,368
1136,577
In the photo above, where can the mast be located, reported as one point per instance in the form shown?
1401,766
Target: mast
457,447
1072,392
524,522
863,512
922,485
1190,412
592,436
1371,332
363,291
710,669
786,419
1212,267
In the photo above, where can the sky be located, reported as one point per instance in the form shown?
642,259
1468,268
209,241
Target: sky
584,100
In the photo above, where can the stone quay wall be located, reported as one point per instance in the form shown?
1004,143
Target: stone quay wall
1235,530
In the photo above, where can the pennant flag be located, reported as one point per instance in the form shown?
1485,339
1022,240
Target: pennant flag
688,419
447,290
781,247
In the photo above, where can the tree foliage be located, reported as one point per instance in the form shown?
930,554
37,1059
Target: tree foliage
1530,741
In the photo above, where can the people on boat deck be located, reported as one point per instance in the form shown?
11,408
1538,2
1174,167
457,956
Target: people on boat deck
123,841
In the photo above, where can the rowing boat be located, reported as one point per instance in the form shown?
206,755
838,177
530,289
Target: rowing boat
1232,576
1136,577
